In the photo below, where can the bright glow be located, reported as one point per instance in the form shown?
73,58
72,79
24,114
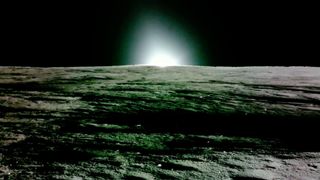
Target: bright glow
162,59
159,46
158,41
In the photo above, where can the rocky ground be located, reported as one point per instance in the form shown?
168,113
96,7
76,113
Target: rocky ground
140,122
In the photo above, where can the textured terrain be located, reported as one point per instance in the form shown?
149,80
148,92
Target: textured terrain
140,122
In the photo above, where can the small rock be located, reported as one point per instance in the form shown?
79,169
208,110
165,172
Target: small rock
138,165
313,166
272,167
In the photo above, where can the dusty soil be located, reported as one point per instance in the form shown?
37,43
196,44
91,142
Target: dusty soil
139,122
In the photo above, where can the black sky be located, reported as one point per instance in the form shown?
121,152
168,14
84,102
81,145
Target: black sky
88,33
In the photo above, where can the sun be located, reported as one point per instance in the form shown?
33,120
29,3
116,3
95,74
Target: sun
162,60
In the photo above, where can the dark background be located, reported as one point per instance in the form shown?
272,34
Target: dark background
88,33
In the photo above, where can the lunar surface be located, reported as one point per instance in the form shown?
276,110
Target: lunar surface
144,122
